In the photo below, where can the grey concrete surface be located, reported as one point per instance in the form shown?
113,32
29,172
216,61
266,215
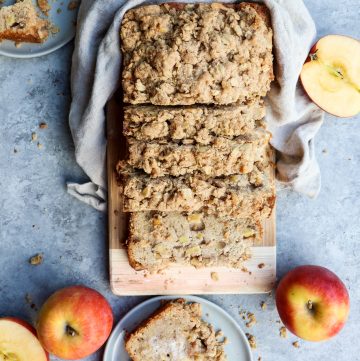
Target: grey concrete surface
37,215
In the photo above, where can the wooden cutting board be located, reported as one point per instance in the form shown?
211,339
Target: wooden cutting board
182,280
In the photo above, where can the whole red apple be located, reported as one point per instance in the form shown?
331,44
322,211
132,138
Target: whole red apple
74,322
18,341
312,302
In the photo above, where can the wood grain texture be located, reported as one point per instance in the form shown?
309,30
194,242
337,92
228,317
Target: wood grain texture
124,280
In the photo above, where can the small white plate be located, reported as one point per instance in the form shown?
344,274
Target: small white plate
64,19
237,349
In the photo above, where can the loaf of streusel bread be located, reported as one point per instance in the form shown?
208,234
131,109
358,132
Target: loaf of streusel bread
181,54
175,332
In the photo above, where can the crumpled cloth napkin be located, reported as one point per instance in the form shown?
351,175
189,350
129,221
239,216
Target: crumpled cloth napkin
292,118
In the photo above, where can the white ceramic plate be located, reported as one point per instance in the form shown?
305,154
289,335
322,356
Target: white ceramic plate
64,19
237,349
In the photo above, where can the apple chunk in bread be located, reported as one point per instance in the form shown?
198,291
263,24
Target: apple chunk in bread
18,341
331,75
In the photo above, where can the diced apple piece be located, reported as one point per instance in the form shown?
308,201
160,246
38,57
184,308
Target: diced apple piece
331,75
18,341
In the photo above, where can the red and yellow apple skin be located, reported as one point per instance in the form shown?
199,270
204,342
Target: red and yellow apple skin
331,75
74,322
18,339
312,302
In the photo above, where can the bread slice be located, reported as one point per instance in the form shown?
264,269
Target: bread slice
182,54
21,23
199,123
175,332
158,239
238,195
223,157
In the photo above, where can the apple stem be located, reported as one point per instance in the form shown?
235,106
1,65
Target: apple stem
313,56
70,331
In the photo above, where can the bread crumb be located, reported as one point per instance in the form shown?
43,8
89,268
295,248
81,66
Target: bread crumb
324,151
43,125
283,333
18,45
214,276
44,6
252,320
296,344
73,5
15,150
252,340
37,259
263,305
34,136
261,265
29,301
242,314
54,29
39,145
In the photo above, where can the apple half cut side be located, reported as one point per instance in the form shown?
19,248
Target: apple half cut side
331,75
18,341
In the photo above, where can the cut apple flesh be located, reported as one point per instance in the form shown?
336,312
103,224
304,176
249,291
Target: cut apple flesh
17,343
331,76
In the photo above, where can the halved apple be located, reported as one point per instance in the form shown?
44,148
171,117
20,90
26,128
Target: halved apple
331,75
18,341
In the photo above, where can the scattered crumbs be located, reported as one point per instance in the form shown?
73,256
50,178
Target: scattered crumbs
33,226
18,45
34,136
263,305
251,319
244,269
37,259
324,151
15,150
214,276
39,145
59,11
296,344
73,5
282,332
43,125
29,301
278,321
252,340
261,265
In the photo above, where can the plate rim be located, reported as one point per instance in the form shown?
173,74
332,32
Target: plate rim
114,334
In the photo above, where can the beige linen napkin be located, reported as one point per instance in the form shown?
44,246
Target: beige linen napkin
292,118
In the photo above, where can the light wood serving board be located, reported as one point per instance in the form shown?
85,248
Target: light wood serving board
175,280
